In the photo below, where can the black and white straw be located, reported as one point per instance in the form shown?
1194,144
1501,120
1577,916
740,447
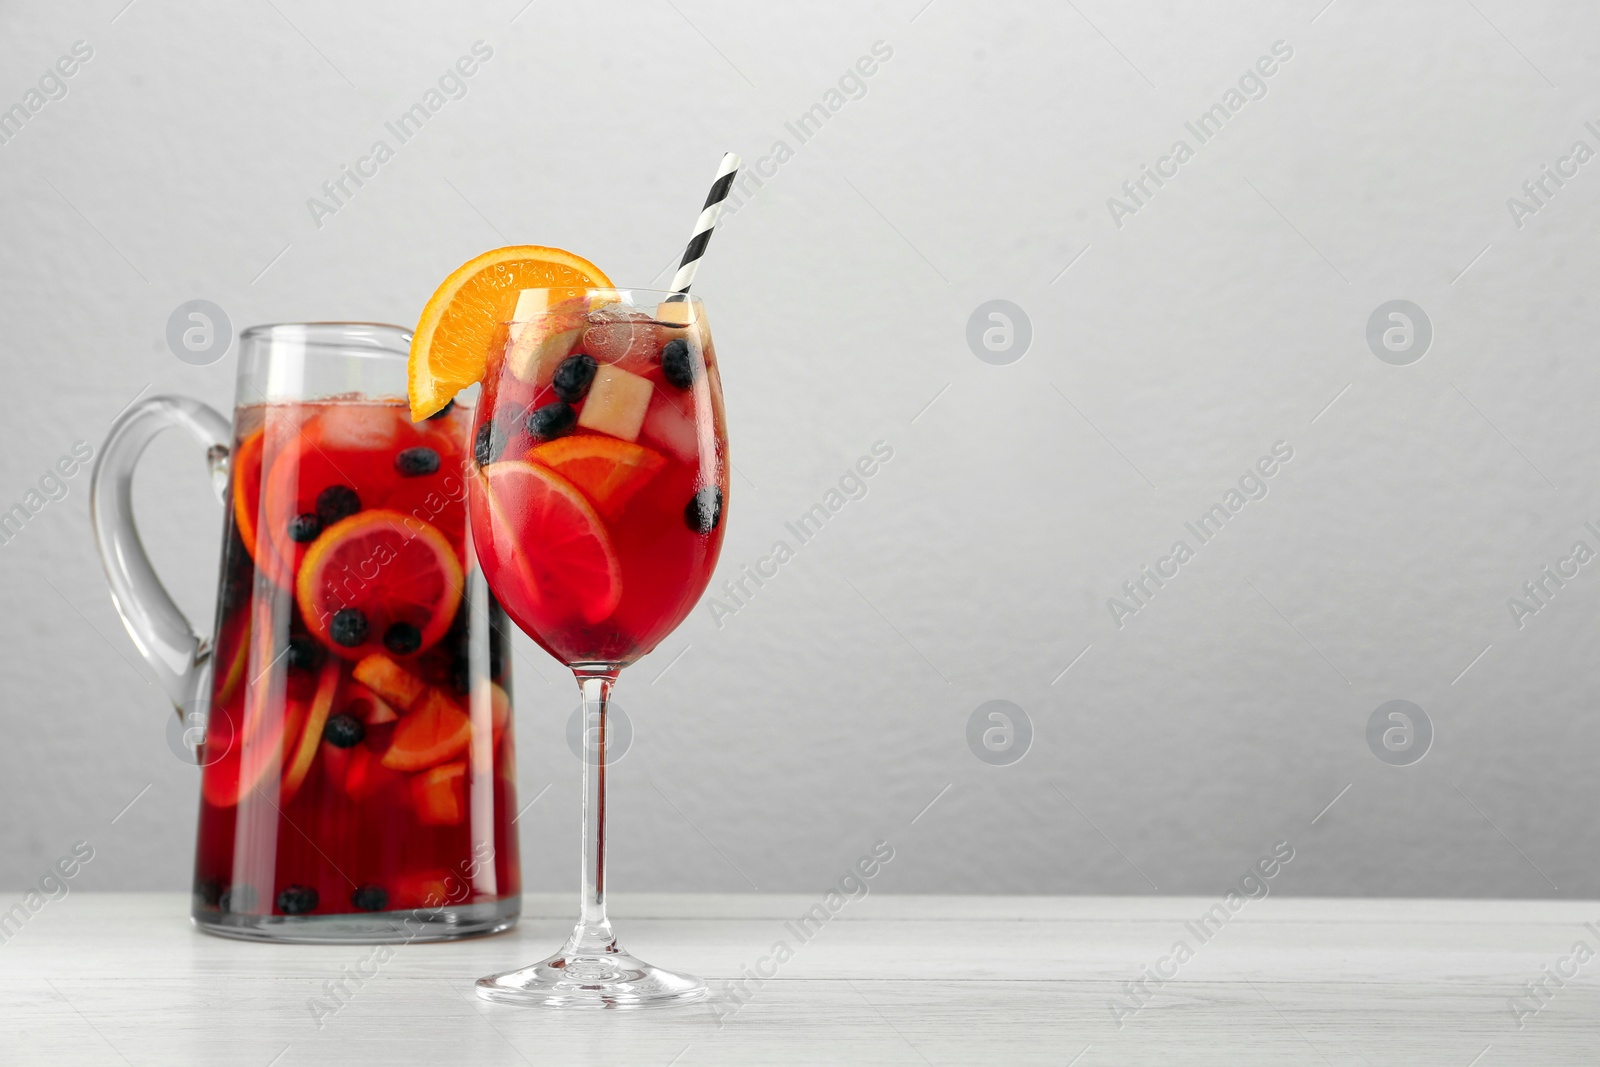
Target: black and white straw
706,223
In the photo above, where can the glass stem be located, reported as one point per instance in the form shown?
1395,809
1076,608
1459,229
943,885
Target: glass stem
593,936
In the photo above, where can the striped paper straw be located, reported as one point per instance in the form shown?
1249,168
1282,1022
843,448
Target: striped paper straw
707,221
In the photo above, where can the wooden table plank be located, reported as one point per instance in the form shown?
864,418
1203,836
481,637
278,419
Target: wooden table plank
124,979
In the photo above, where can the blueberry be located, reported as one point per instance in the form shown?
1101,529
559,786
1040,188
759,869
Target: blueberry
344,730
415,462
704,510
349,627
449,405
337,502
488,444
304,654
574,377
676,365
370,898
304,527
297,900
208,891
238,899
555,419
402,638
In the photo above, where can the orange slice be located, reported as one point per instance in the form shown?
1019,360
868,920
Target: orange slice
439,795
305,746
537,525
608,471
246,470
450,347
434,732
239,632
389,680
250,758
392,568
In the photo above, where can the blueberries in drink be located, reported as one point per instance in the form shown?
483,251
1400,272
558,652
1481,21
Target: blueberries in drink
677,366
704,510
555,419
402,638
415,462
297,900
574,376
304,654
344,730
488,444
449,406
336,502
209,891
304,527
349,627
370,898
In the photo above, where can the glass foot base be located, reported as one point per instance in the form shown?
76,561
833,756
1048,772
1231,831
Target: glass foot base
592,980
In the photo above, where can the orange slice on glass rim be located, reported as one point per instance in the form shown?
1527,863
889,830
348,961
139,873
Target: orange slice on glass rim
450,347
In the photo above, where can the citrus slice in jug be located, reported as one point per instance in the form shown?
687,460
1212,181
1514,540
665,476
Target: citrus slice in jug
379,581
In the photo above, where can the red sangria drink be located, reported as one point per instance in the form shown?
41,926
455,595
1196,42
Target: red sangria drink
358,759
601,473
351,711
598,493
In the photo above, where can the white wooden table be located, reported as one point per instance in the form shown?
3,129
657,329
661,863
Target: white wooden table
124,979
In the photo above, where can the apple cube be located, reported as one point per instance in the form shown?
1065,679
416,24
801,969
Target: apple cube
545,337
684,313
531,302
669,426
617,403
368,706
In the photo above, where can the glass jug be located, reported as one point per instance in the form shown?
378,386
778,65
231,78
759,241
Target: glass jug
352,709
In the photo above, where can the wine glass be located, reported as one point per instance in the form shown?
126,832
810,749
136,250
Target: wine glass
600,482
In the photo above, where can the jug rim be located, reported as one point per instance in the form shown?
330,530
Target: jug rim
267,329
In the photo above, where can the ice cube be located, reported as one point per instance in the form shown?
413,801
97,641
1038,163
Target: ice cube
669,426
357,427
623,336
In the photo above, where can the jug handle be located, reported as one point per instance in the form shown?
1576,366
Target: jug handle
160,631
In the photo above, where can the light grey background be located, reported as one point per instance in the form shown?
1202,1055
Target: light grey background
1168,354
